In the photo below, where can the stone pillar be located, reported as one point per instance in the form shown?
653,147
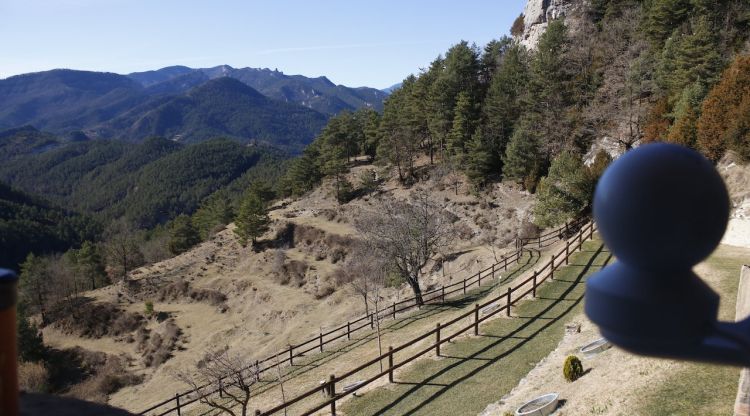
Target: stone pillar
742,403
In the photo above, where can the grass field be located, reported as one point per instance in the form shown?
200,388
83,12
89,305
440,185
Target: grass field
702,389
475,371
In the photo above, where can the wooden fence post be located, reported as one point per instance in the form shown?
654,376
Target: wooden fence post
580,241
348,330
443,294
479,275
390,364
507,311
221,389
372,323
321,341
464,286
567,251
552,268
437,340
332,390
533,290
476,319
493,270
291,356
177,399
394,310
505,263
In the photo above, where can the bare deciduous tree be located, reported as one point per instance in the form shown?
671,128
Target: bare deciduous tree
365,273
225,372
407,235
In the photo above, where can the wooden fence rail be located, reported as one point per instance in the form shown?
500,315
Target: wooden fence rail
319,341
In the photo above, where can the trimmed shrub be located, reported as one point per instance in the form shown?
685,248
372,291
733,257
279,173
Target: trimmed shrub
572,369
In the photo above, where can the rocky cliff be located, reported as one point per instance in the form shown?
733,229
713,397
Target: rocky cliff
538,13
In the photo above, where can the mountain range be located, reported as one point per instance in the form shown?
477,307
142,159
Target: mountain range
181,104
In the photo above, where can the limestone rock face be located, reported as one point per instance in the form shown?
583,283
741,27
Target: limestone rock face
538,13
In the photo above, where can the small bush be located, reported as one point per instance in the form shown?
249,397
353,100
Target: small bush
95,320
108,377
181,290
149,308
158,347
33,377
572,369
517,28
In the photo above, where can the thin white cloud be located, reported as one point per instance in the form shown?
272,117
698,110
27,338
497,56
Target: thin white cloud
334,47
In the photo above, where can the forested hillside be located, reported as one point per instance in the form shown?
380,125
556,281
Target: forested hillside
30,225
221,107
618,74
148,183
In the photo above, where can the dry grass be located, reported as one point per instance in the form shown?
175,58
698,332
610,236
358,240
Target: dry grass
88,319
33,377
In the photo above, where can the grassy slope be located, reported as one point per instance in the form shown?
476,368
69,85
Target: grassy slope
702,389
339,357
478,370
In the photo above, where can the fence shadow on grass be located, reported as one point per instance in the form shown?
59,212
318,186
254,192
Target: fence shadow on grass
555,302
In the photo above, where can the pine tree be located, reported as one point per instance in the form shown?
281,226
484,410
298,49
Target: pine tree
30,343
462,127
213,213
183,236
690,57
35,284
89,264
547,95
662,17
252,218
371,133
502,106
479,160
521,159
565,191
397,145
683,130
724,112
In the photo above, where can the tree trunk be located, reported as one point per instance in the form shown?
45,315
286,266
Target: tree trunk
417,291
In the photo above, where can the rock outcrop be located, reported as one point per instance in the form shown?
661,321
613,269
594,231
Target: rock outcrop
538,13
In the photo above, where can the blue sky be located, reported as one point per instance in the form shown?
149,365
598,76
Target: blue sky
374,43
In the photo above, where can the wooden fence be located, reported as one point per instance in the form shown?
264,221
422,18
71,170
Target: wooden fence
510,298
176,403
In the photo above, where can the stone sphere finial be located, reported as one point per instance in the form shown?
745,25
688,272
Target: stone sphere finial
661,207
